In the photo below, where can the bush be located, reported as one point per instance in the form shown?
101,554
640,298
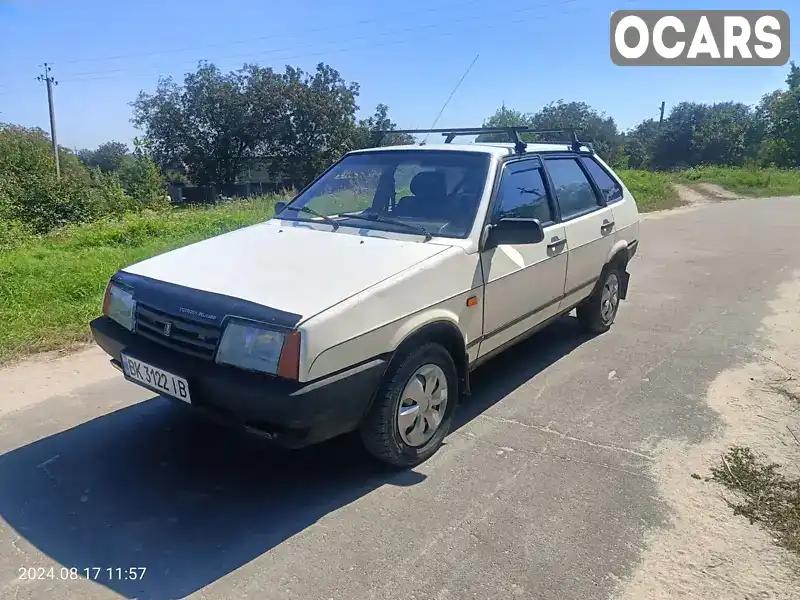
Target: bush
652,191
31,194
12,234
142,180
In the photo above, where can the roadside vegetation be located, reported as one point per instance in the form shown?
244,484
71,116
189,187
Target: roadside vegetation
652,190
762,494
52,285
746,181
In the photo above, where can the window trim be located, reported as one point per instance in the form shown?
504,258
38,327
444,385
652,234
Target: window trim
511,160
612,177
598,195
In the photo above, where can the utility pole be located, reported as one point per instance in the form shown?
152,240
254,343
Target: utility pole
46,77
661,118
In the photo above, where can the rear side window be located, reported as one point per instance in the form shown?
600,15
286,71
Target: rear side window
523,194
610,188
574,193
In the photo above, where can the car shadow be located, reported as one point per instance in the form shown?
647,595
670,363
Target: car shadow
154,486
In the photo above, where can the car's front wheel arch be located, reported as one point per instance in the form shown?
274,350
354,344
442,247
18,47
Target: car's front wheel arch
448,335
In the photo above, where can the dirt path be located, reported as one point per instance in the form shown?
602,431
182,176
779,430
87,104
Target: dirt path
33,380
703,193
707,552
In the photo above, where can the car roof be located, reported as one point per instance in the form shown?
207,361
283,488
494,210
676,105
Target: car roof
495,149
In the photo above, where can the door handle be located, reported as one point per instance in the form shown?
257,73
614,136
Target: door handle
607,223
555,242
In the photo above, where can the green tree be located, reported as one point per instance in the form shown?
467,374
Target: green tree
673,147
782,146
726,135
365,137
638,144
107,157
504,117
594,125
320,121
793,78
215,123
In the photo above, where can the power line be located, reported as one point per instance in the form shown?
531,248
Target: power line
429,9
111,74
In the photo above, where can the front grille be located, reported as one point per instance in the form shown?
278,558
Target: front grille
178,333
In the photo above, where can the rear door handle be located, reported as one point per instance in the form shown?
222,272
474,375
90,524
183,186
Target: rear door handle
607,223
556,241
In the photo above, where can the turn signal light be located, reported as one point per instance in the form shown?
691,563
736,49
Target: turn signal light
289,363
107,299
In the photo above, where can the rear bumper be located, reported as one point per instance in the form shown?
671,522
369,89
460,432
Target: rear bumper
286,412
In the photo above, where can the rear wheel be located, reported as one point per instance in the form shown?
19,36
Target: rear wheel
597,313
414,408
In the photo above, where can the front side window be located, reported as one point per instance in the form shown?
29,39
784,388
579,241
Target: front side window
574,193
436,191
522,193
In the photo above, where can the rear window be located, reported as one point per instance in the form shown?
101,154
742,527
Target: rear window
610,188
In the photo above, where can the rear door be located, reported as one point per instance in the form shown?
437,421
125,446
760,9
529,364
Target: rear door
625,213
588,223
524,282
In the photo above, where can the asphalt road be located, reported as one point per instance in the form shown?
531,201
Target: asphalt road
544,489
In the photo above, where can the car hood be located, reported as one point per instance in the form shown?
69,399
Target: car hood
291,267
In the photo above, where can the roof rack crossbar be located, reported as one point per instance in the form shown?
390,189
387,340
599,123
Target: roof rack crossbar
512,132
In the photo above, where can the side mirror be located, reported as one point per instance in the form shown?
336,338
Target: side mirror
279,206
515,231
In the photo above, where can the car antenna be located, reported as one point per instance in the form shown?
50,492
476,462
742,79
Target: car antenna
450,97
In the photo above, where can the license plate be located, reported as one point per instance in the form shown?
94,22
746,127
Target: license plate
156,379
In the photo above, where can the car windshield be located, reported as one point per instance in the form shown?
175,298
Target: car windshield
429,191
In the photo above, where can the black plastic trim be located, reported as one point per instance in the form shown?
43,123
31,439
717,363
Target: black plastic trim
517,339
586,283
204,308
287,412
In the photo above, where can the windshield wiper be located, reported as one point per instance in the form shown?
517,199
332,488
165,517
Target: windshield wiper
311,211
378,217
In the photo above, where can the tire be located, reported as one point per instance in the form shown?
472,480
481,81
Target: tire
598,311
418,373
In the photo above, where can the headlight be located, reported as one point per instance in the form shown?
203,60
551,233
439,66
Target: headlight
119,305
250,346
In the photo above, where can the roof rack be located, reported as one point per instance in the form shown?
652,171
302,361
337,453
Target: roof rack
512,132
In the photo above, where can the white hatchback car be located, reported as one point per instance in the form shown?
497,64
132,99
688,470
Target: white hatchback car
367,300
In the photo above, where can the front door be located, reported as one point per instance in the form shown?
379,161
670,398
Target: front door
524,282
588,222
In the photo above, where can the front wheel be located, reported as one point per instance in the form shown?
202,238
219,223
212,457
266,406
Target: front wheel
414,408
597,313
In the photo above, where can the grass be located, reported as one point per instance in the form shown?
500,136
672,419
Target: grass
746,181
652,190
764,494
51,287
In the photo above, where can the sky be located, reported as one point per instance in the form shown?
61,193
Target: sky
409,55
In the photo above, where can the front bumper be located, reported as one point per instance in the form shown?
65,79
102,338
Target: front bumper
289,413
